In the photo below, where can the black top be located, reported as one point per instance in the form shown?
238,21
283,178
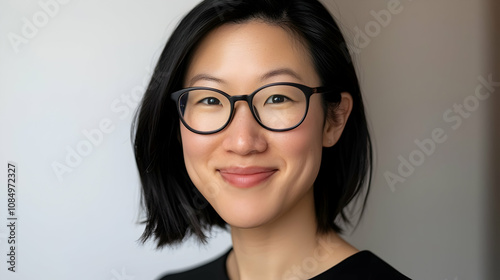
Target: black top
362,265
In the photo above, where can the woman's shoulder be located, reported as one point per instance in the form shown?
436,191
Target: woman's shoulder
215,269
362,265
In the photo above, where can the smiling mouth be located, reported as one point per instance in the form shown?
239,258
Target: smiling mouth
246,177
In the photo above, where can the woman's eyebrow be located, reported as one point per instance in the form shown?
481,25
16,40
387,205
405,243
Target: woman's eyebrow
279,72
205,77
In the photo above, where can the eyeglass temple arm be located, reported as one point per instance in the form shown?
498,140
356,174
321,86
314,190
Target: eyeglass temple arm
327,90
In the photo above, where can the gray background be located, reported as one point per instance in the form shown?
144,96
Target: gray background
87,62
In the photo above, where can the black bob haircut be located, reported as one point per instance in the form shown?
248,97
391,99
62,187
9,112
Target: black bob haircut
174,208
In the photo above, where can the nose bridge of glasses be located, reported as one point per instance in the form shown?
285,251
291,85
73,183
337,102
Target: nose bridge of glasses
248,99
235,98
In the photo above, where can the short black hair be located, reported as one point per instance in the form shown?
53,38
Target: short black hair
174,208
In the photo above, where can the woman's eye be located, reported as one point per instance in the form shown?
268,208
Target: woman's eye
277,99
210,101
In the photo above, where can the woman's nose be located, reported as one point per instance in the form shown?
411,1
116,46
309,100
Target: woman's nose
244,135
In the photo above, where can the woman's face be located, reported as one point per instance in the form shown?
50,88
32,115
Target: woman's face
250,175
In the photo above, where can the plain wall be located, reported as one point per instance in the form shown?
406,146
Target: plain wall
84,69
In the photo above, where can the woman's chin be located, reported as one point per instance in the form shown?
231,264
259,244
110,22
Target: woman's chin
249,219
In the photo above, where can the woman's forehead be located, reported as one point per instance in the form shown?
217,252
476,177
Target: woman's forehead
250,51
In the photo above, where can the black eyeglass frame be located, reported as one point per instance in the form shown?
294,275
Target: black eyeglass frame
308,91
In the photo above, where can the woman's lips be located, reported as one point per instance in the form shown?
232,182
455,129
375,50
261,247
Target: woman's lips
246,177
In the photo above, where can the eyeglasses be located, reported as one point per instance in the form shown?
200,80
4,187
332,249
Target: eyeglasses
276,107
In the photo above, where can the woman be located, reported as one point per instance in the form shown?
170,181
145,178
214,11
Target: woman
254,122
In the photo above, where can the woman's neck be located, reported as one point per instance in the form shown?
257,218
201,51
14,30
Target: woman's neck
287,248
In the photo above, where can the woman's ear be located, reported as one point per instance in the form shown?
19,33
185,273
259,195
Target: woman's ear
336,121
